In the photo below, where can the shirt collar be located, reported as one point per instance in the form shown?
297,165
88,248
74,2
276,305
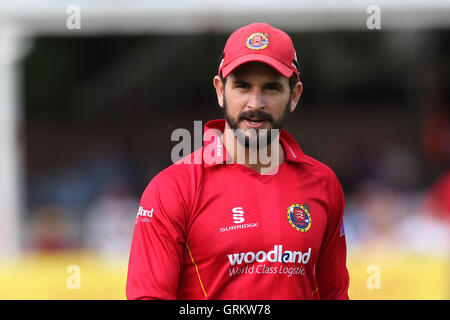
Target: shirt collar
215,151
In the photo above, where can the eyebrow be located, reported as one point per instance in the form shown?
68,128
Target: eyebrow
267,84
273,84
237,81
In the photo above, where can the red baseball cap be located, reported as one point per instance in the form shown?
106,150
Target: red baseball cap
259,42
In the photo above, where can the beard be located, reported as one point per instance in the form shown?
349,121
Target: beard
261,138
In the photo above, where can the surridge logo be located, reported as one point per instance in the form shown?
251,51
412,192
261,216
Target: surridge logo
275,255
239,219
238,215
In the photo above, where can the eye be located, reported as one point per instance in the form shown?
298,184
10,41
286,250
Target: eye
242,85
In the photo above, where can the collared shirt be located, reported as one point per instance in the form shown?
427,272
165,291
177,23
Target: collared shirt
211,229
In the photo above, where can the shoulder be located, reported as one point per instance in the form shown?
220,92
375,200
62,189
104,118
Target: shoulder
331,186
179,181
327,180
325,175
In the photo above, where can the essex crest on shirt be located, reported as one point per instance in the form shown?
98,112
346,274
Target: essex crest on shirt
299,217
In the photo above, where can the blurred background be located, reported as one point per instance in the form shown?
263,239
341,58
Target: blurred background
87,112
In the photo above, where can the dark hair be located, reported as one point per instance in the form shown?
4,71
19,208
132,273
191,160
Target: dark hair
292,81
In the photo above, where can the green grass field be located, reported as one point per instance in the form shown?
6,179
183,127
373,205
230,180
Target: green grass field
402,275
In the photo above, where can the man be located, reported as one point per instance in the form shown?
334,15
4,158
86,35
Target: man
234,225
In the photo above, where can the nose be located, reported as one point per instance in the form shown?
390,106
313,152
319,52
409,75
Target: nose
256,99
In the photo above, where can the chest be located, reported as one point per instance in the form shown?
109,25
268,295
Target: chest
239,213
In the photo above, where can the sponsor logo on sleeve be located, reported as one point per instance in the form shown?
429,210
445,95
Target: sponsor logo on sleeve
144,215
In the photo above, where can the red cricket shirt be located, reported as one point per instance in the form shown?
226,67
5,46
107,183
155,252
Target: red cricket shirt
214,230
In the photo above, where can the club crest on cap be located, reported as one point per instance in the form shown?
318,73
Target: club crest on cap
257,41
299,217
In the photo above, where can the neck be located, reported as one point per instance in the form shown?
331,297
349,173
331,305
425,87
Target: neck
260,159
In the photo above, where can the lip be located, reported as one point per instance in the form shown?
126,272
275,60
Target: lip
254,124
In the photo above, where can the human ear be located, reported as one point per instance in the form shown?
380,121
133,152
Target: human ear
220,89
296,93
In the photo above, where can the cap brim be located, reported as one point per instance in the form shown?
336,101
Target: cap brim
280,67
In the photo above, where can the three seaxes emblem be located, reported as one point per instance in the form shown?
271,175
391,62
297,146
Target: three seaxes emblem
299,216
